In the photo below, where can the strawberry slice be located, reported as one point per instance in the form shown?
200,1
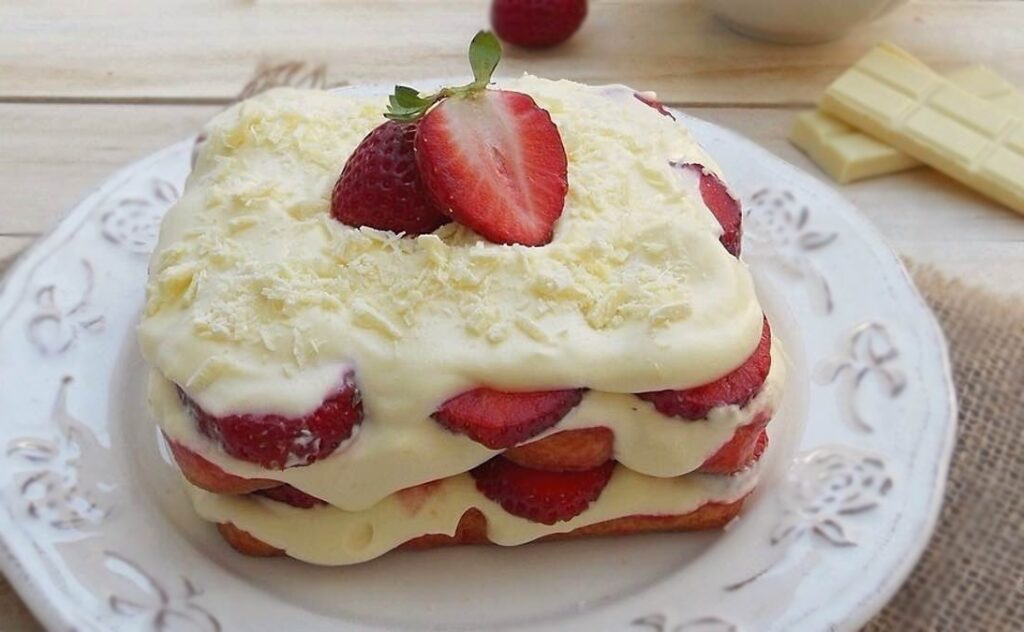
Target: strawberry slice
722,205
746,446
380,186
494,161
276,442
736,388
501,420
291,496
539,496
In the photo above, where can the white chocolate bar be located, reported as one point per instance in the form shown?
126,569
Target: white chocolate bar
847,154
907,105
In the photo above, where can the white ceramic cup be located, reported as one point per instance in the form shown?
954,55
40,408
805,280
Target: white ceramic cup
798,21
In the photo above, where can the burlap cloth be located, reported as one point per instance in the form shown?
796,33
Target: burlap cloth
972,575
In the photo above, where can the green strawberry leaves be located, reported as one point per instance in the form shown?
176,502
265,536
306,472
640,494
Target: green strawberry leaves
408,105
484,55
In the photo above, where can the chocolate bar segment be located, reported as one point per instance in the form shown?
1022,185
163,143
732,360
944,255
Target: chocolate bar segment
848,155
905,104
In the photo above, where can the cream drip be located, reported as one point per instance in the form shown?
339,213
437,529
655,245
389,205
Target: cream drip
384,458
327,535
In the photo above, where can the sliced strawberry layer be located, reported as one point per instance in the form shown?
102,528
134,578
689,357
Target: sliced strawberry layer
722,204
381,187
545,497
501,420
495,162
277,442
647,99
291,496
737,388
746,446
206,475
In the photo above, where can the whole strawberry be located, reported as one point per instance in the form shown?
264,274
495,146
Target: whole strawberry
537,23
380,186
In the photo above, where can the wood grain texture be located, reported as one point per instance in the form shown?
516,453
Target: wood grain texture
10,247
924,215
51,156
189,50
55,154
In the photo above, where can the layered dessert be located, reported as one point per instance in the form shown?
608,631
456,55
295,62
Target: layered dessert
492,314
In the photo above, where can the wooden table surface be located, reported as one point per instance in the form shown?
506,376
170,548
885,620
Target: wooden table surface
86,87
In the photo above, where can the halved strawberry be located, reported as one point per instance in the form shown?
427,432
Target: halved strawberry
276,442
501,420
545,497
736,388
291,496
380,186
491,159
722,205
495,162
649,99
745,447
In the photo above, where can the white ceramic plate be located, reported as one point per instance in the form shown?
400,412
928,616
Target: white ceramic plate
96,533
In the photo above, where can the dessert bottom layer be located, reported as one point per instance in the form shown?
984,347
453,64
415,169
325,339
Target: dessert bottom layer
453,511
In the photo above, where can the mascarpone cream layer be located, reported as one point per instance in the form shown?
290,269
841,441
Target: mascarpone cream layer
385,458
327,535
258,300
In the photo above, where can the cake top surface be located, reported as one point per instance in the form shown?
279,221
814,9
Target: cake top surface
258,299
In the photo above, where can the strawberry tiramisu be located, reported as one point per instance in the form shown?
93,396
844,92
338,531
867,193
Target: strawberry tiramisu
494,313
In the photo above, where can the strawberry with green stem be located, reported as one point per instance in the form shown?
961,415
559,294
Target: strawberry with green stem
492,160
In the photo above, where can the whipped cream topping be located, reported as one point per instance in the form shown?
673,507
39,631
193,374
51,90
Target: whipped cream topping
382,458
258,299
330,536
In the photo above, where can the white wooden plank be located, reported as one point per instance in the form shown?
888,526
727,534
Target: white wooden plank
205,49
51,156
915,206
55,154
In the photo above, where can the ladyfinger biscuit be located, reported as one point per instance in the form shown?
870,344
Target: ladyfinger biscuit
207,475
472,529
